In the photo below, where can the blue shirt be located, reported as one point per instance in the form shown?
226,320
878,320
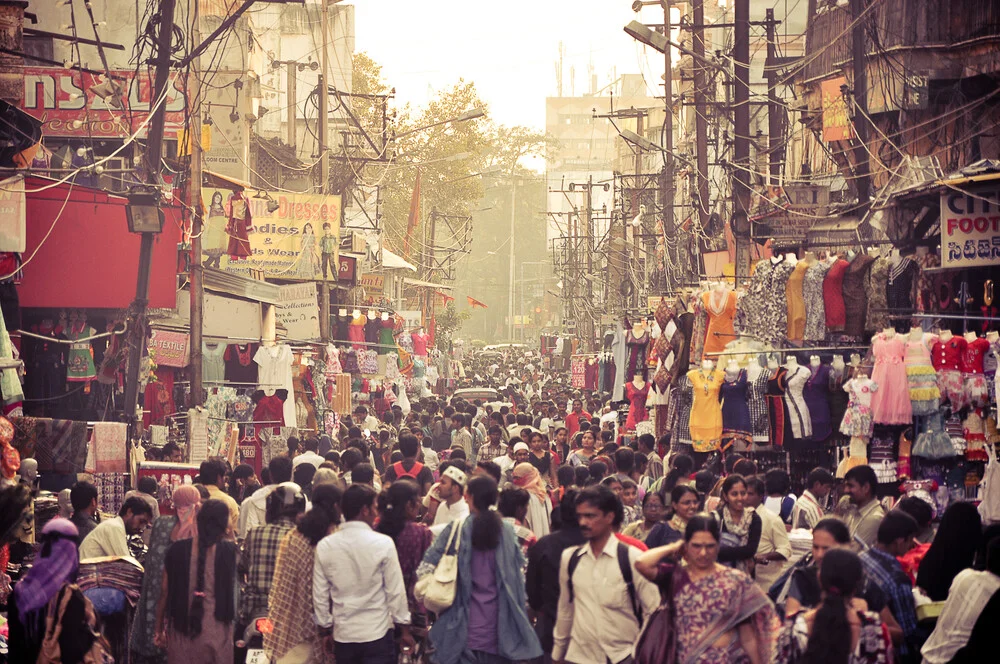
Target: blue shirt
886,572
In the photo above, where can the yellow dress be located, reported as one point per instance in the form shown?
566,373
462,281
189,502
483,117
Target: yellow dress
706,411
796,303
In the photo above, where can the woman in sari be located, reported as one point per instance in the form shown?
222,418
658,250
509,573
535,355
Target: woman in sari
741,526
583,455
526,476
294,636
166,530
720,616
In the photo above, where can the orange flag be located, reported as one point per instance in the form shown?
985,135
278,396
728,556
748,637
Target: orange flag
445,298
414,217
473,302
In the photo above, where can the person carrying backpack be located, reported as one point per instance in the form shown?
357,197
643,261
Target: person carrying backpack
603,600
409,467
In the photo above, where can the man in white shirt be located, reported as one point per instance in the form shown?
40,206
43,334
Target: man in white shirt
808,509
310,455
774,549
253,511
358,589
449,496
596,621
365,421
110,537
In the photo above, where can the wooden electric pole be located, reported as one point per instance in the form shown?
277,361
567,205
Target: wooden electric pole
775,135
324,149
197,295
700,119
859,50
667,186
741,136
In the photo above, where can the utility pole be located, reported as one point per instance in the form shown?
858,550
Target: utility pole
587,327
669,229
859,50
510,273
197,277
291,138
741,136
775,152
324,148
700,120
154,154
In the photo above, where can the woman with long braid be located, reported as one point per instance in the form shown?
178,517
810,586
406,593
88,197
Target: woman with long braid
198,602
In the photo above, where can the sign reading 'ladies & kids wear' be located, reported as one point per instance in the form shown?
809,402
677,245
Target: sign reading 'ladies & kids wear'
970,226
298,239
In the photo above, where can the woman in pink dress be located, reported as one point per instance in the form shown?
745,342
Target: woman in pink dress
891,403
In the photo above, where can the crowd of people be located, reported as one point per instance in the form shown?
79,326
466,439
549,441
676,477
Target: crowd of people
538,533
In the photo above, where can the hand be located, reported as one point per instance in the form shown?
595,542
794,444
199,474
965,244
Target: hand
160,638
762,559
328,644
406,640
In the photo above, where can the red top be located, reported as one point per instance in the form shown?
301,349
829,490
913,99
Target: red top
947,355
573,422
833,296
974,355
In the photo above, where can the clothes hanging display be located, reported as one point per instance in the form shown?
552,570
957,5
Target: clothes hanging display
636,349
973,377
239,364
706,410
795,299
765,304
736,423
891,403
720,307
833,296
858,419
816,393
275,372
386,336
779,426
855,295
80,367
213,365
812,295
757,402
798,412
682,400
899,287
356,331
925,397
637,405
877,317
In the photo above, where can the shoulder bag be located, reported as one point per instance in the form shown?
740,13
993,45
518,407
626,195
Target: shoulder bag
437,590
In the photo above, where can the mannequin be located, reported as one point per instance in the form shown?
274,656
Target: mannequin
371,314
706,409
791,257
772,362
707,365
636,392
814,362
80,367
791,363
385,315
945,336
970,336
798,412
810,258
732,369
838,364
916,334
889,332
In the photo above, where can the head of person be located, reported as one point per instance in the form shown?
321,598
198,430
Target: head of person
630,491
324,514
701,541
684,502
624,460
150,487
829,533
458,454
560,436
360,415
614,484
567,508
566,475
730,463
819,482
581,476
303,476
896,533
521,453
840,576
173,453
652,507
358,503
363,473
452,484
409,446
561,409
704,480
57,563
325,474
681,466
293,446
83,497
212,472
280,469
538,443
921,511
350,458
647,443
745,467
488,468
577,406
136,512
287,501
954,548
495,434
487,526
599,512
756,492
458,420
777,482
734,492
398,505
186,500
860,484
514,503
587,441
598,471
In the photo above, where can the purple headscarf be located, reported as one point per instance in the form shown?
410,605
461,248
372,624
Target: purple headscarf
57,564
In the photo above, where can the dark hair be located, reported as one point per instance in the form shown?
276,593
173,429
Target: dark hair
704,480
567,509
281,469
605,500
581,475
919,509
210,471
862,475
680,491
731,461
293,445
310,444
837,529
840,574
392,506
822,476
136,504
363,473
303,476
511,500
408,445
647,440
354,432
275,507
332,456
213,521
81,495
757,485
624,460
650,494
492,469
458,454
953,549
895,525
202,490
745,467
565,475
728,484
350,458
598,469
612,479
702,523
681,466
356,498
777,482
149,485
315,524
487,526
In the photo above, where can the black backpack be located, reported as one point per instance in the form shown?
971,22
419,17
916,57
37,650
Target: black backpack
624,565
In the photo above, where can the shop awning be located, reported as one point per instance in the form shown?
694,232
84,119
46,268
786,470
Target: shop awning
425,284
393,261
229,283
220,181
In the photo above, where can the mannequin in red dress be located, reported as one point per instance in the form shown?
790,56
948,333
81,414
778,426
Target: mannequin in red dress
636,392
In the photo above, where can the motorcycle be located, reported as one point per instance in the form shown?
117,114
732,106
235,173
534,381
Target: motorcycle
253,640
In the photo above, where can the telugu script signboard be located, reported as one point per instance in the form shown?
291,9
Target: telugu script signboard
970,226
836,121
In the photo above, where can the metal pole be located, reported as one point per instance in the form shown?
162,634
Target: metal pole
510,274
859,48
667,186
521,306
324,115
154,154
197,295
774,137
741,131
700,119
291,138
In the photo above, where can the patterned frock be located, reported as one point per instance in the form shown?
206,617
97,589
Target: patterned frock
798,412
682,398
812,294
756,389
925,397
858,417
777,411
855,295
765,304
878,277
873,645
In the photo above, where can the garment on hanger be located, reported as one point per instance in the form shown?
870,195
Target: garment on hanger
875,287
833,296
925,397
373,328
706,411
891,403
798,411
275,372
816,393
757,402
899,287
213,366
812,295
858,420
636,346
637,405
974,380
356,332
682,396
80,367
779,426
946,357
343,327
838,397
240,367
386,339
720,309
795,299
419,344
269,411
736,425
590,374
855,295
765,304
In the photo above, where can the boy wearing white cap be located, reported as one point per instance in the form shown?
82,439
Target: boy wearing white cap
448,495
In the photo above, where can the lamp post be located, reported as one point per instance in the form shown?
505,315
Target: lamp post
470,114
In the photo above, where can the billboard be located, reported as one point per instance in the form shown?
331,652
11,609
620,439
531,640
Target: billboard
970,226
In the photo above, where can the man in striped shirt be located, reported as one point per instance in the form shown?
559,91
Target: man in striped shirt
808,508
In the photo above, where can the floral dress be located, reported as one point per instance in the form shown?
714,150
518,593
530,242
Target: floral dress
873,642
858,417
925,397
812,294
878,277
144,623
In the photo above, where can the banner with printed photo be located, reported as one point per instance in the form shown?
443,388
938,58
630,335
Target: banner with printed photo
299,239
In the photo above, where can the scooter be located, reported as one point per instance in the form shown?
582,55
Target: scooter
253,640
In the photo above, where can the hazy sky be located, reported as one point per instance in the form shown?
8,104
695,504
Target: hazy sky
509,49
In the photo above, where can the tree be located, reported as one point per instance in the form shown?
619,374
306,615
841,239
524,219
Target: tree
449,321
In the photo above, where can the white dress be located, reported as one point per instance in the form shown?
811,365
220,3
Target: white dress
275,373
798,412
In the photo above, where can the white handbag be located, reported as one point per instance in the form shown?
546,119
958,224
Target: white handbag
437,590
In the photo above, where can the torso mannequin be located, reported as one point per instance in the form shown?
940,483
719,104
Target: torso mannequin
838,364
772,363
814,362
791,363
636,392
970,336
732,369
945,336
916,334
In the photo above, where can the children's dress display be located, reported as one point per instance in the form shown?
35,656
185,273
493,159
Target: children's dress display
974,380
706,411
891,404
637,405
777,411
858,419
946,357
925,397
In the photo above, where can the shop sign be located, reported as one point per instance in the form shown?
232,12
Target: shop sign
412,319
170,349
299,311
373,282
836,121
168,477
299,240
970,226
790,212
56,96
347,268
12,229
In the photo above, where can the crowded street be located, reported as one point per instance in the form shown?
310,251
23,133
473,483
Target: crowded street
341,332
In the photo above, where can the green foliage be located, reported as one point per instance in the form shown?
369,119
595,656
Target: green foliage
448,321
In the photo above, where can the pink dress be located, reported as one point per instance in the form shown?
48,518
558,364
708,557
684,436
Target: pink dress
637,405
891,403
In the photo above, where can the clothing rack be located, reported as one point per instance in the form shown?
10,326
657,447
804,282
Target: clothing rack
788,350
73,341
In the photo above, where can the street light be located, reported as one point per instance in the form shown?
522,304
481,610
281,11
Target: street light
470,114
655,40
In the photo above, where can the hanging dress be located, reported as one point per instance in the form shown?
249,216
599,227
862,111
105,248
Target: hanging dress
858,417
812,295
817,396
777,412
637,405
798,412
833,296
386,341
757,402
706,411
974,379
878,278
891,403
736,424
635,354
680,427
946,357
80,367
925,397
899,290
356,332
855,295
720,307
795,298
